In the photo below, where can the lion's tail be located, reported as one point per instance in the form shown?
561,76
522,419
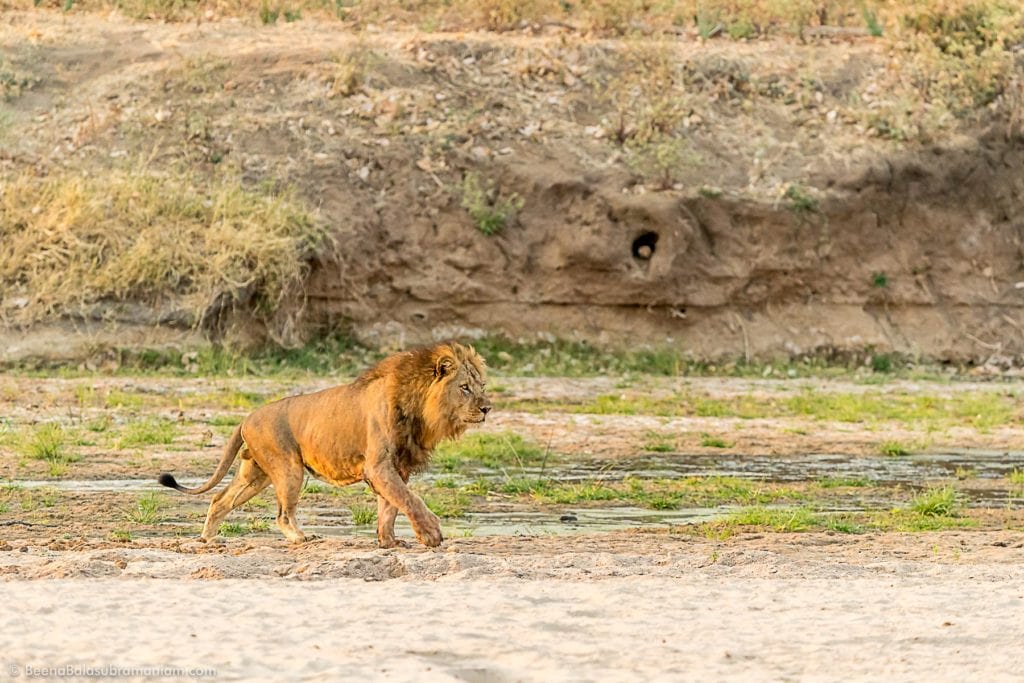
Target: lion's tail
230,451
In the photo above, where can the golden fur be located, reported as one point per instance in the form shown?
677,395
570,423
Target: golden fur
379,429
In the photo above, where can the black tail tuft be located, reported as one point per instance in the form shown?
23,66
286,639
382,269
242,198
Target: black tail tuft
168,480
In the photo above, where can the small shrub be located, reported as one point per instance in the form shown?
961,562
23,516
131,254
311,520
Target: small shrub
45,442
121,535
800,201
662,502
881,362
146,510
363,515
892,448
839,482
489,210
268,15
709,441
871,21
936,502
659,443
232,529
662,158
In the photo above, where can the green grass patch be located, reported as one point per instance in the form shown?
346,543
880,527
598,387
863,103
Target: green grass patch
313,487
494,451
146,509
233,529
843,482
659,443
1016,477
979,410
936,502
893,448
48,442
224,420
446,503
655,494
363,515
115,398
708,441
36,499
147,432
776,519
663,501
909,520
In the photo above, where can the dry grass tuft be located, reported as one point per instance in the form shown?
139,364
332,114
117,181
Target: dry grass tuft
69,241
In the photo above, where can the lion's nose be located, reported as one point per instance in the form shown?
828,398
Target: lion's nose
485,409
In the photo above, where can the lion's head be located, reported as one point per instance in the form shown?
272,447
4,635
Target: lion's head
457,395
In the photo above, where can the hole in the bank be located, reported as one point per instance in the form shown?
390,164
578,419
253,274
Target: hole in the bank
643,246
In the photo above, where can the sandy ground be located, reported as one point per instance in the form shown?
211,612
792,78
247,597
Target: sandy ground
937,607
625,605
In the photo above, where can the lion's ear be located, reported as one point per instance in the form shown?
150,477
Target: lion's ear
445,366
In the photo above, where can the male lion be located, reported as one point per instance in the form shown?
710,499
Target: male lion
379,429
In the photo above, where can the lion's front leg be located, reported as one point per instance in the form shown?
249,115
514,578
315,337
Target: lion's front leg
390,486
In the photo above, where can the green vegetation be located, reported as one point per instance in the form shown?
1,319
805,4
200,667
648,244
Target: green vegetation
709,441
258,525
980,410
48,442
363,514
267,14
146,432
1016,477
892,448
655,494
963,473
490,210
146,509
800,201
45,441
494,451
659,443
233,529
938,502
313,487
843,482
782,519
340,356
14,82
121,535
34,499
446,503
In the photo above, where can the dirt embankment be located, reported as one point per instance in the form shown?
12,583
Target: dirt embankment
733,199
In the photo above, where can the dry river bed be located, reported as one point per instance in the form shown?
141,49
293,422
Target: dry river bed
100,570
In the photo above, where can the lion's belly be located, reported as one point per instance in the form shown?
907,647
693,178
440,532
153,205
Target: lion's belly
340,469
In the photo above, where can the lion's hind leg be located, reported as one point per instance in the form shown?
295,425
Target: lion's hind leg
288,488
249,481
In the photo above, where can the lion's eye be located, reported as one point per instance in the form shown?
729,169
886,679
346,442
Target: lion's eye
465,388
